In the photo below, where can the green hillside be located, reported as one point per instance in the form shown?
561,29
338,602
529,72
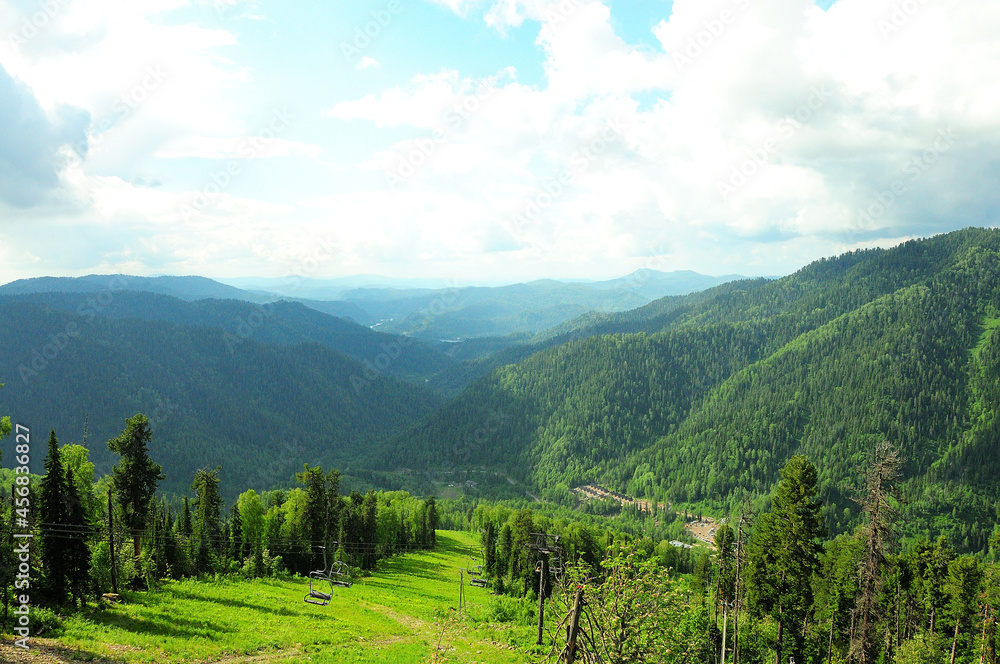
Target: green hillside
258,409
398,615
704,400
281,322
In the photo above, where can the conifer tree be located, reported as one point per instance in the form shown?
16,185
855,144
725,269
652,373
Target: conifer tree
207,525
53,515
185,526
77,550
784,553
135,477
432,521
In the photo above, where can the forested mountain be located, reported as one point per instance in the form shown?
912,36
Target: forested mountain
259,409
460,313
184,288
704,399
281,322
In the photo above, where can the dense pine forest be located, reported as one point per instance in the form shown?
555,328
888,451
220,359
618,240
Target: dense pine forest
776,586
119,533
840,424
700,400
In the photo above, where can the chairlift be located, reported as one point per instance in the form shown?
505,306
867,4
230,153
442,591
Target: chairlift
336,574
477,574
557,567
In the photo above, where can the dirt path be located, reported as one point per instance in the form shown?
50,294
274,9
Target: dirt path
47,651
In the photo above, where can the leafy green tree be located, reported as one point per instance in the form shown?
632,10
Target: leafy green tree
636,613
135,477
432,520
784,553
77,459
252,517
53,512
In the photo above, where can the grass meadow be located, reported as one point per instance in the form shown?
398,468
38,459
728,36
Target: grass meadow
404,612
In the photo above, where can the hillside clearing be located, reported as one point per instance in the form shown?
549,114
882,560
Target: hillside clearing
396,615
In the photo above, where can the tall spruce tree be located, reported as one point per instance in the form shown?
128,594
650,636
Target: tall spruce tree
317,505
184,525
432,520
784,553
53,512
135,477
77,549
207,524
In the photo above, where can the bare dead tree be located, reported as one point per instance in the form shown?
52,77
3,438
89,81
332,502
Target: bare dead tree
878,500
745,526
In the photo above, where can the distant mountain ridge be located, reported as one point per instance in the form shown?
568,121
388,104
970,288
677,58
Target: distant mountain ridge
185,288
281,322
258,405
702,398
416,307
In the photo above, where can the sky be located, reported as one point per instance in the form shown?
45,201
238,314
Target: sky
488,141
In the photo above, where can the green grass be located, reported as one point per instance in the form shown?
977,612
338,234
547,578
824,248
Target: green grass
395,615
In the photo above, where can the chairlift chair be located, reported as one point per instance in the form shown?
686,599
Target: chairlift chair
478,574
336,574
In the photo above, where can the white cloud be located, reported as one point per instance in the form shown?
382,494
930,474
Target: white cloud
759,135
840,106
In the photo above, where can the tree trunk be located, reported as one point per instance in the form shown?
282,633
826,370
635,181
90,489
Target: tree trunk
954,642
573,630
829,652
781,626
897,614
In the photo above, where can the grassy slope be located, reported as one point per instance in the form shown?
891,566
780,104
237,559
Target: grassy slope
396,616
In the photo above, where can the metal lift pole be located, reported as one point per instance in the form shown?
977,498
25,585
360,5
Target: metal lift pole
541,597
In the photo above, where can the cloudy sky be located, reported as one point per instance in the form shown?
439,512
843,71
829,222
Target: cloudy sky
488,140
